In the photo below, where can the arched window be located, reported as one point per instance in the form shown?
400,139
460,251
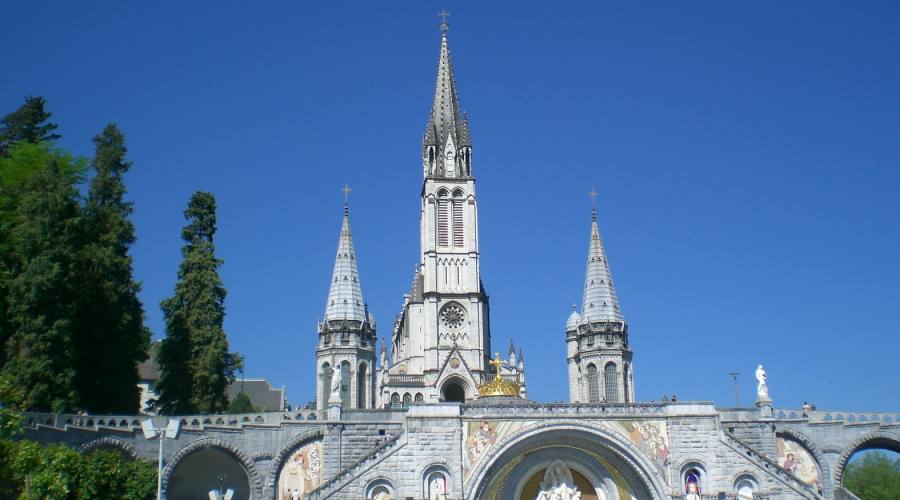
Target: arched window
625,372
345,385
443,219
430,160
407,399
419,398
612,385
593,386
745,487
326,385
458,223
395,400
361,387
693,480
468,162
436,482
380,489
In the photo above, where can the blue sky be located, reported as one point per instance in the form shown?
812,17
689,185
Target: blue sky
745,155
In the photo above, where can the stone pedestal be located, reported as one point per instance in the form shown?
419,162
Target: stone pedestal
765,406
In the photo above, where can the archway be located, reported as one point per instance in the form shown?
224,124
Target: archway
861,451
453,391
602,465
199,471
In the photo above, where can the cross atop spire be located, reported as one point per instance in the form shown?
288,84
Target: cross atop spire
593,194
443,15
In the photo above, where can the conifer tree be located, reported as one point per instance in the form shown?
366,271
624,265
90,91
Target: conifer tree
195,364
27,127
27,124
44,287
110,335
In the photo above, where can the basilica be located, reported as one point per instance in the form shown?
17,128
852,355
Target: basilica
438,414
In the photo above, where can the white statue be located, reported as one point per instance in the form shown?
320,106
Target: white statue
558,483
335,384
762,389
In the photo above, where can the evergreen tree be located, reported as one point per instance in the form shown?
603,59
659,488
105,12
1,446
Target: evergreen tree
195,364
44,287
26,124
111,339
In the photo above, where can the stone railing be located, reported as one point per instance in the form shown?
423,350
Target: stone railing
757,495
407,380
532,409
844,417
770,466
188,422
382,451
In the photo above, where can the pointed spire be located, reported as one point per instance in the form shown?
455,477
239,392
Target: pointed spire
600,302
345,296
446,121
512,348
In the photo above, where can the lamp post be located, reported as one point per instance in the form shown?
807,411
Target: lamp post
221,493
173,427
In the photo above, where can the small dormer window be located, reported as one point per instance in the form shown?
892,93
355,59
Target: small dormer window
450,163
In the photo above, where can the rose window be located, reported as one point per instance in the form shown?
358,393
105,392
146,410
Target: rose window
453,316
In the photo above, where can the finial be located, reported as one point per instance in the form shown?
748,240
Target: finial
346,189
443,15
497,363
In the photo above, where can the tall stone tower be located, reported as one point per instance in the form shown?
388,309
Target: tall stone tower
347,333
599,356
441,341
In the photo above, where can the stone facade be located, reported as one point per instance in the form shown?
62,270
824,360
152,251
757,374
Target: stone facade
414,427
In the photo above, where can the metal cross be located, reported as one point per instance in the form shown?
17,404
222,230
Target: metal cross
593,195
497,363
443,14
346,191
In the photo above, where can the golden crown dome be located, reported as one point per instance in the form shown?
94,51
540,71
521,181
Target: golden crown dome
498,386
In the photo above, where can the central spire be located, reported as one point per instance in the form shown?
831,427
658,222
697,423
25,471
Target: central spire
447,143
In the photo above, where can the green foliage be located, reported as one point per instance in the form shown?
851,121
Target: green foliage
241,404
195,364
110,317
43,284
29,471
873,477
27,124
18,168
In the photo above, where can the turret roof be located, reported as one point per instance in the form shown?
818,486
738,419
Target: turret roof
600,302
345,301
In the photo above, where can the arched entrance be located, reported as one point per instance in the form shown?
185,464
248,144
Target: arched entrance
196,469
453,391
599,464
199,472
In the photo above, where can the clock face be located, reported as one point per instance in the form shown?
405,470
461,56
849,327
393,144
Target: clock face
453,316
